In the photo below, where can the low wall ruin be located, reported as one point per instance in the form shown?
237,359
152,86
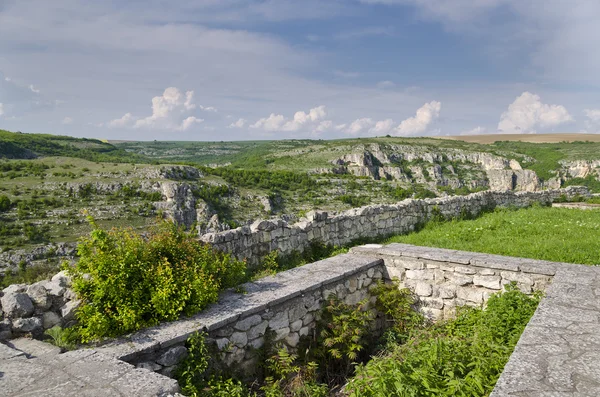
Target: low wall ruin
263,236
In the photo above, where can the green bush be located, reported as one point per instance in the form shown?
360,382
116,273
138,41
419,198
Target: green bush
5,203
462,357
127,281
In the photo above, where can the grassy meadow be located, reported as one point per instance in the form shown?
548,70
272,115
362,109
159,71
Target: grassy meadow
554,234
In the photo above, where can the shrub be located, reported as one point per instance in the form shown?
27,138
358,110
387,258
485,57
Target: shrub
462,357
65,338
198,380
4,203
127,281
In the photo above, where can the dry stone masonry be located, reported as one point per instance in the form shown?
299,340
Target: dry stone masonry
263,236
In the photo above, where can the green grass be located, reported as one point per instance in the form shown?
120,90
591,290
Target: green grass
554,234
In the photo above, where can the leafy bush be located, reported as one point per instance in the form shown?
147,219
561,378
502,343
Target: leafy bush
397,305
127,281
462,357
198,379
5,203
290,379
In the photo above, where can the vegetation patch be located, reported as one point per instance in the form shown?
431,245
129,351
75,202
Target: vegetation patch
553,234
461,357
127,281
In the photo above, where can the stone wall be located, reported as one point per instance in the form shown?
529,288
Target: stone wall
32,309
255,241
287,303
444,279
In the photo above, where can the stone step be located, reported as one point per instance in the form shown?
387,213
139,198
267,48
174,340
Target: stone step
34,348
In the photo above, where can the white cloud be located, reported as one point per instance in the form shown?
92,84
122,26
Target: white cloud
32,88
208,108
272,123
188,122
425,116
1,109
359,126
240,123
382,127
592,124
169,112
365,32
301,119
593,114
475,131
527,114
67,120
313,121
126,121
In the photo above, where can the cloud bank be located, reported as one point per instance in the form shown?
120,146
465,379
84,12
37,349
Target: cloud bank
527,114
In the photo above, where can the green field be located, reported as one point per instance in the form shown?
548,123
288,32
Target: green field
554,234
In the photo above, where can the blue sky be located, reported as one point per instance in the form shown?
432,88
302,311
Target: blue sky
275,69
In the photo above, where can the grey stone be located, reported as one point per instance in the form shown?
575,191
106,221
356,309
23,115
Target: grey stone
470,294
55,288
31,324
149,365
69,310
247,323
423,289
50,319
62,279
292,339
258,330
239,339
492,282
173,356
16,304
280,320
296,325
39,296
222,343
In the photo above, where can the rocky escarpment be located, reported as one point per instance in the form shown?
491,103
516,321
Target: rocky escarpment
437,167
581,168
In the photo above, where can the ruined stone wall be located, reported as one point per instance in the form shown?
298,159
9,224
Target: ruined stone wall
287,303
255,241
445,279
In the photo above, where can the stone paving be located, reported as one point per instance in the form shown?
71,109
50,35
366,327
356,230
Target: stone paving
77,373
558,354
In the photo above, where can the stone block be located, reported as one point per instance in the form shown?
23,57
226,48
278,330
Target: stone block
491,282
173,356
465,270
281,333
296,325
420,274
518,277
280,320
292,339
258,330
423,289
150,365
247,323
240,339
297,311
474,295
447,291
460,279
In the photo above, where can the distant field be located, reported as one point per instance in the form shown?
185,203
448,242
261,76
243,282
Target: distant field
533,138
554,234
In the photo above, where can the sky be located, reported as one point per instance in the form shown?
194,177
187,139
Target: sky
215,70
